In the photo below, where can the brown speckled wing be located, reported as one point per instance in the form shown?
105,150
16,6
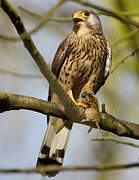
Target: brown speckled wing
58,61
59,58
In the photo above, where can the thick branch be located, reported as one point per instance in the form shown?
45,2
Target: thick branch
109,123
10,101
70,107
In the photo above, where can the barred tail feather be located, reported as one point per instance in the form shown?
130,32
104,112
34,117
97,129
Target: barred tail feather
53,147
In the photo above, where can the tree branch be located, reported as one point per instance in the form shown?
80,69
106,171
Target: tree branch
13,101
107,12
60,19
109,138
124,59
127,36
26,76
42,170
45,17
129,14
9,101
109,123
70,107
42,22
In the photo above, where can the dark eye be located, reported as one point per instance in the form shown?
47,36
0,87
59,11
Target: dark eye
86,13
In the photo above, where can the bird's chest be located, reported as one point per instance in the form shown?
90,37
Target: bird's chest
85,57
77,68
81,71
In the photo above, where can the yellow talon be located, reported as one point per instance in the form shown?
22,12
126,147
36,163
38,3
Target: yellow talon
69,92
81,104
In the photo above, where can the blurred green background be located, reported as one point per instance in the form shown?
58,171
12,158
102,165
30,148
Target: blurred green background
21,132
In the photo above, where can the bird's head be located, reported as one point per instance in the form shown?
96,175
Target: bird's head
87,18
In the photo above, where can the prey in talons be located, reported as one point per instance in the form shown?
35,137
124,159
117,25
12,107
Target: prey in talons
91,108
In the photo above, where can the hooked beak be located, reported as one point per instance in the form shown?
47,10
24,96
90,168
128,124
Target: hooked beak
77,18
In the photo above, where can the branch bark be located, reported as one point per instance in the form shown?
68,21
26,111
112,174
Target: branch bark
9,101
70,107
109,123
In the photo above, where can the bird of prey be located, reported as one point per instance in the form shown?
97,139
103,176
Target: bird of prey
81,64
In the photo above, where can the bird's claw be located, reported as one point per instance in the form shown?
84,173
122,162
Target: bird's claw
81,104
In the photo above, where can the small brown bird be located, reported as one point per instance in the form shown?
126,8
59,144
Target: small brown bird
91,105
82,63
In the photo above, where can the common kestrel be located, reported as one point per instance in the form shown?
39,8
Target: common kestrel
81,64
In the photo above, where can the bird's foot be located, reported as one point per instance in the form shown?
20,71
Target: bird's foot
91,109
80,103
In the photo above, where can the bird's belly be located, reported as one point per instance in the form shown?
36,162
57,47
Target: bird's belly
75,74
80,76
